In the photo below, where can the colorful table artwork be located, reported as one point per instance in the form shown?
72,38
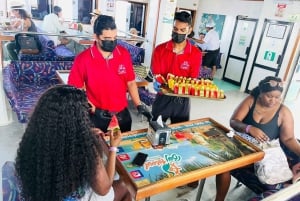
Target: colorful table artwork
192,147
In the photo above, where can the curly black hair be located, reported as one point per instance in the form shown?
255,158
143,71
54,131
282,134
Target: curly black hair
58,153
264,86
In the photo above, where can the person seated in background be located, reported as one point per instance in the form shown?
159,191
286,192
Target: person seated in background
193,41
264,117
191,38
21,22
202,46
134,36
205,73
94,15
212,51
53,23
60,156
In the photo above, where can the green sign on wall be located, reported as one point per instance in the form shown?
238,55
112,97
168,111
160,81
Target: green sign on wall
269,56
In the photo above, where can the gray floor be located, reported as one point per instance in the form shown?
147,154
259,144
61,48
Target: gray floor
220,111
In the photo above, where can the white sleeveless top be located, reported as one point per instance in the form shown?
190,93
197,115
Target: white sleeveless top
90,195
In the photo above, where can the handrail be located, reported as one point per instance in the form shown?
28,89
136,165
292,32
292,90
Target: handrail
48,34
137,38
85,35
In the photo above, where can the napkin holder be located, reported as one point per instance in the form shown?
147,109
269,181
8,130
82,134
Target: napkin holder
158,135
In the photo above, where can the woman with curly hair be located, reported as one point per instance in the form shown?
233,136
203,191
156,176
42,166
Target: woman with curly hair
60,157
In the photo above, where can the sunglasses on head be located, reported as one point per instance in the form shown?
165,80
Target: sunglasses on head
274,83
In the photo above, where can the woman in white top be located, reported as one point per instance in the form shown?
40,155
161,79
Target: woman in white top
53,24
60,157
21,22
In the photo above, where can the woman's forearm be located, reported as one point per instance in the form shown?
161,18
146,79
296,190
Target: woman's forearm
239,126
293,145
111,165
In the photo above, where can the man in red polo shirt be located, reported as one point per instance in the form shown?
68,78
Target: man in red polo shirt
180,58
105,71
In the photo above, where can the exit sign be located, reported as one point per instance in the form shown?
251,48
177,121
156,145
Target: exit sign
269,56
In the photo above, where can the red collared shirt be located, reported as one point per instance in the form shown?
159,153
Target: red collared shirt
186,64
105,80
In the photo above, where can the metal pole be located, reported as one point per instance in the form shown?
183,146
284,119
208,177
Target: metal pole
200,189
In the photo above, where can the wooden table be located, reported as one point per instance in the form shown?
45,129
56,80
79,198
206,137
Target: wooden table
198,149
64,74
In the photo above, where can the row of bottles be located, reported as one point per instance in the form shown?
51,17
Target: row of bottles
195,90
194,87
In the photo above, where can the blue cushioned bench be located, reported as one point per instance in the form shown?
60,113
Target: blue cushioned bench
49,52
11,186
137,53
25,81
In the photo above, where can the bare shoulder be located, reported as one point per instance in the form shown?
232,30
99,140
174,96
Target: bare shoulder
285,116
285,111
243,108
286,121
248,101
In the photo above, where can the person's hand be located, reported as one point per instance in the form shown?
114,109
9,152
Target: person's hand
258,134
115,138
296,169
156,86
92,107
296,172
142,109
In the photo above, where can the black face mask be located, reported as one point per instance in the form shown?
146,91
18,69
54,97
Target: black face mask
178,38
108,45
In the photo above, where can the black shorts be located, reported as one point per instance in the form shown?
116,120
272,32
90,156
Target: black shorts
210,59
175,108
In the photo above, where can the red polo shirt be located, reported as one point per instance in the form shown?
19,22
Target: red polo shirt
105,80
186,64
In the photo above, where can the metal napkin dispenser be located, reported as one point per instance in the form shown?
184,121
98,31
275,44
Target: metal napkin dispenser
157,134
